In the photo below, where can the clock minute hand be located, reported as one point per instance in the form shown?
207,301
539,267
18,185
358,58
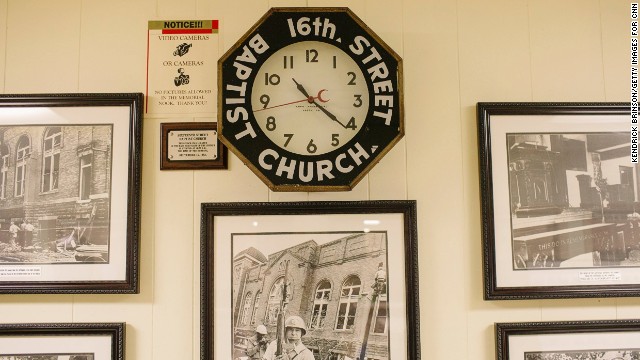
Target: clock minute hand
313,101
330,115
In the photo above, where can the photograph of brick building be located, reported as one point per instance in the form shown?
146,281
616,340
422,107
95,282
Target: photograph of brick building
55,184
336,282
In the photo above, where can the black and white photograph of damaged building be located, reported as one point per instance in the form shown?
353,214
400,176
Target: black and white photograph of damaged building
335,282
55,193
574,200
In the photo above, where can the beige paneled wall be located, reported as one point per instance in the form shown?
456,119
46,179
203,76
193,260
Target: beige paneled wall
456,53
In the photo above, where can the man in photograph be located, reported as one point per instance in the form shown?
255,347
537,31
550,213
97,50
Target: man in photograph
257,344
13,230
293,348
28,233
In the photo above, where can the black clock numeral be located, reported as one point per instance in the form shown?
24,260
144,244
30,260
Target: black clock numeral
289,137
358,101
353,78
271,123
351,124
312,55
311,147
335,141
335,61
273,79
264,100
288,62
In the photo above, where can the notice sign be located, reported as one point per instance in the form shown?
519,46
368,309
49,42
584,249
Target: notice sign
181,66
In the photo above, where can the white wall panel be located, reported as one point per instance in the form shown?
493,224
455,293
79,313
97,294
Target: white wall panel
174,244
430,53
3,40
111,58
36,308
43,44
616,49
495,65
597,309
566,50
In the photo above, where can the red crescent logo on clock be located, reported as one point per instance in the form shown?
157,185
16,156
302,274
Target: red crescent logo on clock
319,97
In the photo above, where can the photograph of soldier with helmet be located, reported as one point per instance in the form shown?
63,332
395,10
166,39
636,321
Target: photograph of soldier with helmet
310,296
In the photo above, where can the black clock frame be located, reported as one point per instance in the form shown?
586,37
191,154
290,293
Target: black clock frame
344,167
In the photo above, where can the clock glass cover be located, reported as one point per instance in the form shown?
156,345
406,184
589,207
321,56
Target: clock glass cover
310,98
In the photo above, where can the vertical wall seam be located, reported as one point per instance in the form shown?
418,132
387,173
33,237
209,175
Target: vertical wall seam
462,165
195,270
6,41
531,78
79,46
604,69
404,115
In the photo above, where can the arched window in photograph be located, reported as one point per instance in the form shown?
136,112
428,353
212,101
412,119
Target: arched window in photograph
273,304
255,308
4,170
349,295
246,309
320,304
23,150
51,158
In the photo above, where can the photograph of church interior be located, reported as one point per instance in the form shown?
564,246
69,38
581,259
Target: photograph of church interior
574,200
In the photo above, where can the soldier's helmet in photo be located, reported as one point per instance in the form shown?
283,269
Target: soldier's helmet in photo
296,322
261,329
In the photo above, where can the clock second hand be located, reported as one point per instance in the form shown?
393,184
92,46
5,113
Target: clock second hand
309,100
312,101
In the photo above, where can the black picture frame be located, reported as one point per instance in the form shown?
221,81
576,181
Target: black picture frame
73,340
545,231
70,181
610,339
270,235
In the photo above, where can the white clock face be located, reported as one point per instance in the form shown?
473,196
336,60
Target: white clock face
310,98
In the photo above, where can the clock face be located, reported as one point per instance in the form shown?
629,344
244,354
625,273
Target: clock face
310,98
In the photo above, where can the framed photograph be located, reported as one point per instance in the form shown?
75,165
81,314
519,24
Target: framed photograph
70,192
560,188
62,341
570,340
191,146
314,280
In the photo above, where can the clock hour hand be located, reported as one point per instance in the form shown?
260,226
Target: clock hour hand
303,91
312,101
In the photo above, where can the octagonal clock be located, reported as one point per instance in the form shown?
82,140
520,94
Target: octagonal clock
310,99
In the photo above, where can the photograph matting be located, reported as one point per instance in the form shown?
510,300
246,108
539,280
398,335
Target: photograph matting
560,200
70,169
515,340
104,341
295,229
